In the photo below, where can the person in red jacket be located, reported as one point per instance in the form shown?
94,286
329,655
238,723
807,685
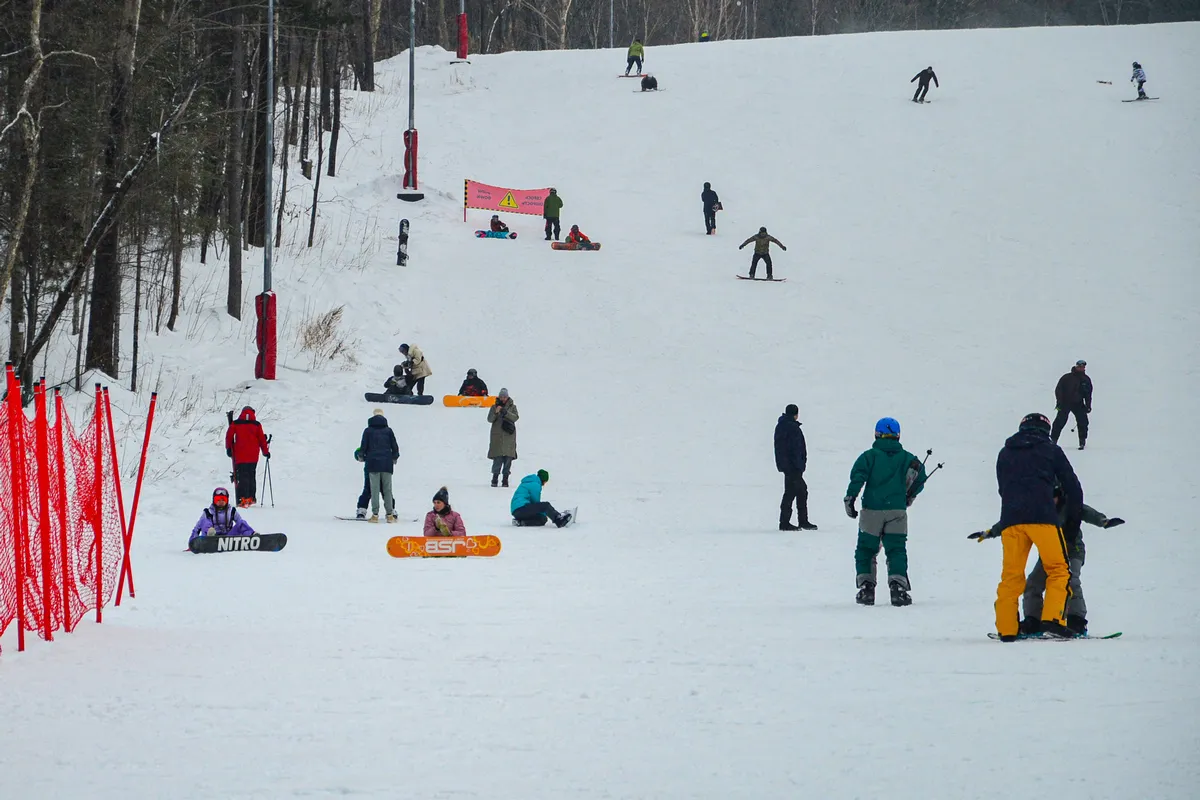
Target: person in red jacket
579,238
243,442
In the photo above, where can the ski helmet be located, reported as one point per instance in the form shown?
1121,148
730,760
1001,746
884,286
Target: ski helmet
1035,421
495,216
1136,65
887,427
471,373
575,228
707,185
762,230
222,494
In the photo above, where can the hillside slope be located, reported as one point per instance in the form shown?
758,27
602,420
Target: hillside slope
946,264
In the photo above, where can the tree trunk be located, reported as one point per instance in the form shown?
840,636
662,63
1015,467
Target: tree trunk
233,169
104,324
367,77
137,306
176,247
336,127
312,218
260,204
305,164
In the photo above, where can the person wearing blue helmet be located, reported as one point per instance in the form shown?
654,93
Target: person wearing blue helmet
892,478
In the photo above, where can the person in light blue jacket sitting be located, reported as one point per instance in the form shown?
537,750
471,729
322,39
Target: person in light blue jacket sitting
527,506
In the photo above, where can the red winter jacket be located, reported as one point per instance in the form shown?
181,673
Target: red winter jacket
245,438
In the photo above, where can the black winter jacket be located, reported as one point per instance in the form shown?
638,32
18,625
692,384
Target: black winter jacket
379,446
709,198
1074,390
1026,470
791,455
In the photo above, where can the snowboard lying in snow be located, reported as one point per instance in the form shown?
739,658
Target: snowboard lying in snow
495,235
259,543
573,246
772,280
463,401
1023,636
402,399
442,546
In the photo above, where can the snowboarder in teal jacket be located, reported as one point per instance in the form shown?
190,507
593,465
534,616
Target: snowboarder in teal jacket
893,477
527,506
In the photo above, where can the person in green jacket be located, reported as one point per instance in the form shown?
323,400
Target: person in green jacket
551,208
893,478
634,56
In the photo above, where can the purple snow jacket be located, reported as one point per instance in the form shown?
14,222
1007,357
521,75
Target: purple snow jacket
226,522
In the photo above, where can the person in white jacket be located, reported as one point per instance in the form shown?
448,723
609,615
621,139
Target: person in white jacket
418,366
1139,75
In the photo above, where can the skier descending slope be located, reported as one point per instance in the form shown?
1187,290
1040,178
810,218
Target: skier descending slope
1027,469
1139,75
893,477
924,76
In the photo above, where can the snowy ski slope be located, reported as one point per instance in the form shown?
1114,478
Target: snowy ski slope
946,264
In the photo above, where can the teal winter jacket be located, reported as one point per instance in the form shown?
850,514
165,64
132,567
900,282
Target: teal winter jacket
884,470
529,490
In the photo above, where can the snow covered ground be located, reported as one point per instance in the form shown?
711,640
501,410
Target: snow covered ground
946,264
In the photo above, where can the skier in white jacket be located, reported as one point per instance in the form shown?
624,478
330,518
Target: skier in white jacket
1139,75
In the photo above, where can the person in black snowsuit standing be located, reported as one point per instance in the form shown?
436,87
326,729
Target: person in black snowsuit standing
712,204
791,458
924,76
1073,395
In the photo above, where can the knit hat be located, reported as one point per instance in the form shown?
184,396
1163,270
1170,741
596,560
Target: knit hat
503,393
442,494
377,412
543,476
791,410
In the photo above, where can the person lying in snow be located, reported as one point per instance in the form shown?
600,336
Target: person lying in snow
443,520
221,519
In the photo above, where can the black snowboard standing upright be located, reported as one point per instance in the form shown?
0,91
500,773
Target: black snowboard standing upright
402,252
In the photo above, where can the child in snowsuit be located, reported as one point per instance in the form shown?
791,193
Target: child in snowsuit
221,519
443,520
473,386
551,209
893,478
243,441
579,239
527,506
923,87
762,250
400,383
649,83
497,225
381,452
1139,75
712,204
635,55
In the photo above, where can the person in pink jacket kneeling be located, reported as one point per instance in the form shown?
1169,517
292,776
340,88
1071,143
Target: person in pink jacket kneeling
443,520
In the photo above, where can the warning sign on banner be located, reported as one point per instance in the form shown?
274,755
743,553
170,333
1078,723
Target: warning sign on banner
498,198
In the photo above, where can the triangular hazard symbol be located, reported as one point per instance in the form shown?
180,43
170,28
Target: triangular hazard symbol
508,201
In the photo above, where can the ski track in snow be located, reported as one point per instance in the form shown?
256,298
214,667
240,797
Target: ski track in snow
945,266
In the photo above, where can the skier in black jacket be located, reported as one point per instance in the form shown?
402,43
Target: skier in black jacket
1073,395
712,204
791,458
923,87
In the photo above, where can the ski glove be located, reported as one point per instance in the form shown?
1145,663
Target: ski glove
851,512
1113,522
228,453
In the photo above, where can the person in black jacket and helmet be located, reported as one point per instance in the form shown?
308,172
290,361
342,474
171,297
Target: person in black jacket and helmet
791,458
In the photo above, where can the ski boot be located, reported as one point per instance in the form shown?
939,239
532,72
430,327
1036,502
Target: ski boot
360,513
563,520
1056,630
900,595
806,526
1031,626
866,594
1077,623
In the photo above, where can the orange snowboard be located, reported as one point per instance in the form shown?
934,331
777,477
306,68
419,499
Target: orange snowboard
462,401
442,546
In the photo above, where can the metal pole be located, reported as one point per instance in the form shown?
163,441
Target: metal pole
412,60
269,229
610,22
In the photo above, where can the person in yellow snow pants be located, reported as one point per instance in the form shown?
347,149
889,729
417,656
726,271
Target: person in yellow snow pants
1052,549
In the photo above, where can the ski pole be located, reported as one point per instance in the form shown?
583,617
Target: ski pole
909,495
270,486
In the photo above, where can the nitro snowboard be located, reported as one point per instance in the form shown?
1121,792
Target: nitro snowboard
401,399
495,235
464,401
573,246
259,542
442,546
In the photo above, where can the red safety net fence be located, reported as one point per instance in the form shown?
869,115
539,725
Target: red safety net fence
63,537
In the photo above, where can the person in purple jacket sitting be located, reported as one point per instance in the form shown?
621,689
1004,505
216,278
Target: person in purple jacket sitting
443,520
221,519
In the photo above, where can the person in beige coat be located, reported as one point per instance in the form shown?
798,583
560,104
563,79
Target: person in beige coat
418,365
502,446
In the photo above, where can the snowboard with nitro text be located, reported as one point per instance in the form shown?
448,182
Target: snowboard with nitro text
400,399
256,543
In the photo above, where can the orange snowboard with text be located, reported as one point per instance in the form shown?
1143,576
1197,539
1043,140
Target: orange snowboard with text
442,546
462,401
